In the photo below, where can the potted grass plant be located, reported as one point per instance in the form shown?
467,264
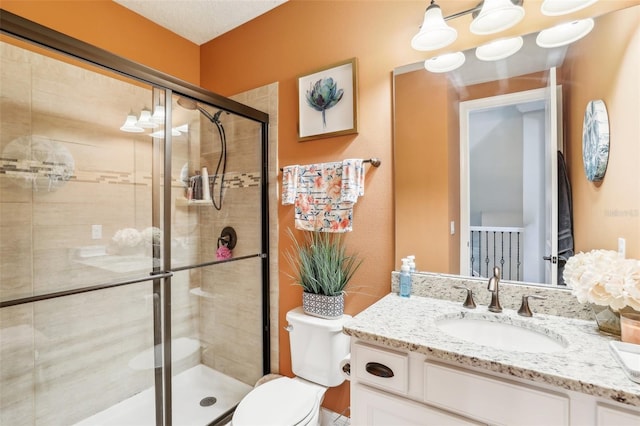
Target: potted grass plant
323,269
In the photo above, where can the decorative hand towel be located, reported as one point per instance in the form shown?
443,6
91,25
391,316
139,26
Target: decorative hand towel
289,184
352,180
318,205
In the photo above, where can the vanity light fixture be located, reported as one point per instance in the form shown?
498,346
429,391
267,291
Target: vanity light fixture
489,16
130,125
445,63
565,33
499,49
434,32
496,16
562,7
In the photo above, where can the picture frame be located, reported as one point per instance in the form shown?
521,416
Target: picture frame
328,101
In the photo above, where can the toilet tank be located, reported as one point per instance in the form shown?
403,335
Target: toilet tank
317,347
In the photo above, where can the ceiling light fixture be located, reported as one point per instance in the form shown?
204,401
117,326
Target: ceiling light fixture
499,49
445,63
496,16
562,7
564,33
434,32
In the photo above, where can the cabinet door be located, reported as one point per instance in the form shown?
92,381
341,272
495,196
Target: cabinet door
375,408
491,399
610,416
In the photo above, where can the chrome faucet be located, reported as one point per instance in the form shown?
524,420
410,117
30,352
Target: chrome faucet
494,288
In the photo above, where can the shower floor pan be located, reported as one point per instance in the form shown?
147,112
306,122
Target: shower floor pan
189,389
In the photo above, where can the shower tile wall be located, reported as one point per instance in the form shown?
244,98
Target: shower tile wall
265,99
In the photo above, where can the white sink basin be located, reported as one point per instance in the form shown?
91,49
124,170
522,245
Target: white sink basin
501,332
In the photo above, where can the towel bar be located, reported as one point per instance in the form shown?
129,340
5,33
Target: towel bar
375,162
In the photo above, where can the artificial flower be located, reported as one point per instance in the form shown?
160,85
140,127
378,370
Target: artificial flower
604,278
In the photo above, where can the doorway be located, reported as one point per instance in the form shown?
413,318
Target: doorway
509,187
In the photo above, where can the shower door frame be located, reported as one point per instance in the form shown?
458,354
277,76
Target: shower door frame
33,33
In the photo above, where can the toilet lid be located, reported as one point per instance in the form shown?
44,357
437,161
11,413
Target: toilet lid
278,402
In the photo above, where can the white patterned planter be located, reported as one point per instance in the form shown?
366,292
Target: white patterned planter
319,305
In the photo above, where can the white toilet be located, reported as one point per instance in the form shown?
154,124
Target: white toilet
317,347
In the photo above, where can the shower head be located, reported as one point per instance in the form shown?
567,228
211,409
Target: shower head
187,103
190,104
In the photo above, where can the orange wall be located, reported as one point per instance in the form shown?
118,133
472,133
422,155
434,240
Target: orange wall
610,208
108,25
422,186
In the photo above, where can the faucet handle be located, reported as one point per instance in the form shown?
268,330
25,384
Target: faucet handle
469,303
524,307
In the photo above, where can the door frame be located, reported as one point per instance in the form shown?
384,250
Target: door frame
553,117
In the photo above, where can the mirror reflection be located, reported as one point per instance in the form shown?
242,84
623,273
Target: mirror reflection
435,167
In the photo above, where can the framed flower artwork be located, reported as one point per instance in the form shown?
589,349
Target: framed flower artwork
327,102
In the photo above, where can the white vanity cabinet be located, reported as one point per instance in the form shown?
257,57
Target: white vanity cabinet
400,387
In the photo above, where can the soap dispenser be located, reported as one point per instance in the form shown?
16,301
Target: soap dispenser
412,263
405,279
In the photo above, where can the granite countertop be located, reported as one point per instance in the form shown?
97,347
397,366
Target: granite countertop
586,365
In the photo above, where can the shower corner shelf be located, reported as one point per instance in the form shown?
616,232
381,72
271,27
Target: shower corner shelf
185,202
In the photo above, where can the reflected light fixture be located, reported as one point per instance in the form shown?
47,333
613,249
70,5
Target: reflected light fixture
445,63
144,120
496,16
499,49
158,114
130,124
160,133
183,129
562,7
434,32
564,33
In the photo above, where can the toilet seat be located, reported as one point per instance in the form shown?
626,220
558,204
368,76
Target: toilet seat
280,402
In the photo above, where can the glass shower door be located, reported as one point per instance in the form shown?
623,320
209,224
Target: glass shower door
78,311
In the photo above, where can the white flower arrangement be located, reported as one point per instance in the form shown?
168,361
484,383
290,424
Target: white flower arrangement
127,237
604,278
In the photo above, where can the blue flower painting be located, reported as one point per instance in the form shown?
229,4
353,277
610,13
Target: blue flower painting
324,94
330,89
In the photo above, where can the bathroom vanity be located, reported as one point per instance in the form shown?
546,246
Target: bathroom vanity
424,360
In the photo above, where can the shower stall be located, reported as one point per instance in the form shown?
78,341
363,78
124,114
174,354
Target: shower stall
127,295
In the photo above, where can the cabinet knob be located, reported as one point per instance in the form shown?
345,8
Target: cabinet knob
380,370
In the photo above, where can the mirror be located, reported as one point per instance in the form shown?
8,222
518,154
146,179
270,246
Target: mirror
604,65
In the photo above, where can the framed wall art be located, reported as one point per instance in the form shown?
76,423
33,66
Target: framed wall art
327,102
